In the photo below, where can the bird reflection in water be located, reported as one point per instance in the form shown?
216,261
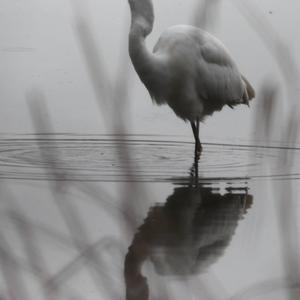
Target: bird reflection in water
185,235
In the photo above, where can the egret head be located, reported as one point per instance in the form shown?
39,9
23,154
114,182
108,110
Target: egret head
142,14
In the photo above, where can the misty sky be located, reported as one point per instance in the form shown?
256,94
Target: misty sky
39,49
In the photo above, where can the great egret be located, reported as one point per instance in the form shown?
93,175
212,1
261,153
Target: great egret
189,69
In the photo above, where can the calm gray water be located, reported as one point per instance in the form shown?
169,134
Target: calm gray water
101,217
103,158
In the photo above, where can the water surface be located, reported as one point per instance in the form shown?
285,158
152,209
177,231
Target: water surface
128,212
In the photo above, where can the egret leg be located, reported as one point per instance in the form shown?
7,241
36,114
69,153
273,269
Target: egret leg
198,143
198,146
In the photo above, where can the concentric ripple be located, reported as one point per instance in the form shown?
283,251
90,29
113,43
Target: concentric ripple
137,158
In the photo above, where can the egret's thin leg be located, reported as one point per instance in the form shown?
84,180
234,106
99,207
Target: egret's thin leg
198,147
194,129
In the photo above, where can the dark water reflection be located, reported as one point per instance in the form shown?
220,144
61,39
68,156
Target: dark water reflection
184,236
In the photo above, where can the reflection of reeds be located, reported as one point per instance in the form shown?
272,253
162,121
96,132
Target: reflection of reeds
11,273
68,211
113,101
266,125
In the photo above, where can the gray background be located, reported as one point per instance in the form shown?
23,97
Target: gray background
39,49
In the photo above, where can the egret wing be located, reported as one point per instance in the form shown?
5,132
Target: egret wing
219,80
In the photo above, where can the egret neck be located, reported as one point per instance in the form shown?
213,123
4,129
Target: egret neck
145,62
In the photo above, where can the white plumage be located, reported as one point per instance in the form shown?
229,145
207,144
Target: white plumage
189,69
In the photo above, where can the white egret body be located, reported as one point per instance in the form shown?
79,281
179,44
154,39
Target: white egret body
189,69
